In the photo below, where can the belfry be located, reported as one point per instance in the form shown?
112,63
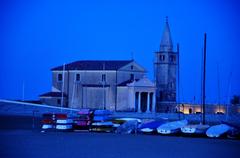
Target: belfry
165,70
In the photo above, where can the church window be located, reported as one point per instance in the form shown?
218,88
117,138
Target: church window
131,67
132,77
172,58
77,77
162,57
60,77
103,77
58,101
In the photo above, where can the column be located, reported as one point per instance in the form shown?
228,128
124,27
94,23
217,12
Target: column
139,102
134,100
148,102
154,103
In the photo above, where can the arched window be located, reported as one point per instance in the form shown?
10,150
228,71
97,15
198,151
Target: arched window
77,77
162,57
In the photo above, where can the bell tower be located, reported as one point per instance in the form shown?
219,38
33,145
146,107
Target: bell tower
165,69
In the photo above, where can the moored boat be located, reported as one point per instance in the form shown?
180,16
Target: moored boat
48,122
101,121
63,123
195,129
151,127
83,120
217,131
128,127
171,127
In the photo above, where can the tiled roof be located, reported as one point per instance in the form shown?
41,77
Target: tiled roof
53,94
94,65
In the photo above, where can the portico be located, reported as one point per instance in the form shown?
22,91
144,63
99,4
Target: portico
143,95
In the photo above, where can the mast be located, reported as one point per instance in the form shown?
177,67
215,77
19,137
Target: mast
104,81
178,81
62,86
23,90
204,76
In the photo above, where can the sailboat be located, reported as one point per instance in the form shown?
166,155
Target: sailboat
199,129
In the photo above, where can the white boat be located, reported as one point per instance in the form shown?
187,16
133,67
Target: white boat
195,129
171,127
64,127
64,121
108,123
47,126
150,127
125,119
217,130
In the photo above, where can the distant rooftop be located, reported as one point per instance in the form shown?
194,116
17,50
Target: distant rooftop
94,65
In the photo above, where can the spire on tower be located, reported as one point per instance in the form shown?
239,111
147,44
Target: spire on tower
166,42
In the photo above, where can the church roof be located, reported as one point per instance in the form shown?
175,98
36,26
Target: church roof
125,83
143,82
53,94
166,41
94,65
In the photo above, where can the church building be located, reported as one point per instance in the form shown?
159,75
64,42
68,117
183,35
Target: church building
118,85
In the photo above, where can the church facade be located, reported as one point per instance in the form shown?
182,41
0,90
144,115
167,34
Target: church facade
118,85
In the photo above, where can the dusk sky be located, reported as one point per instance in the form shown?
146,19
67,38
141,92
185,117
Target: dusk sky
38,35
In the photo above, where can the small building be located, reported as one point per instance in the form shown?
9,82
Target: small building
118,85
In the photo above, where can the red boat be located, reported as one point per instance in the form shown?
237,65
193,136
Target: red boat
83,120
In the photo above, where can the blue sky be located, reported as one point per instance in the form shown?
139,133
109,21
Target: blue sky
38,35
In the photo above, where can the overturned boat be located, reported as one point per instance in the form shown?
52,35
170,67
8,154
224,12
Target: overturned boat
63,123
101,121
151,127
195,129
129,127
171,127
83,120
217,131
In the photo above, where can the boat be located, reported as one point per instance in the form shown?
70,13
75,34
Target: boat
101,118
234,132
101,121
195,129
119,121
199,129
171,127
102,112
48,122
128,127
217,131
151,127
106,126
63,123
83,120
